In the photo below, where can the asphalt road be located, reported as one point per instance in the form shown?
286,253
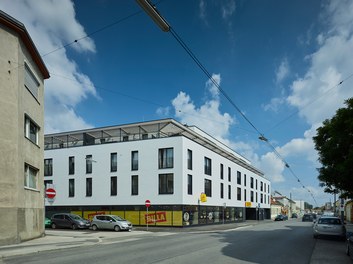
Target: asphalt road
275,242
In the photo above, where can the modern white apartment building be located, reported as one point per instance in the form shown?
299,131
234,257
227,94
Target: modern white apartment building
22,74
114,170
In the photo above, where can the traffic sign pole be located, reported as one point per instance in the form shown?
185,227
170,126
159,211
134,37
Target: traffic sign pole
148,204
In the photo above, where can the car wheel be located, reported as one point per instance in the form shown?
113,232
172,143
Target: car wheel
116,228
53,225
94,228
74,227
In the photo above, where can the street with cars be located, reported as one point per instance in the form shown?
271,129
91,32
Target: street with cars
288,241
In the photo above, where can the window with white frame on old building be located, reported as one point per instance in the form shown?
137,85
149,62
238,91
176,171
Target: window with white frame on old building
30,176
31,82
31,130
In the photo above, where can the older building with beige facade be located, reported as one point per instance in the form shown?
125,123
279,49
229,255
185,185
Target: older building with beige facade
22,74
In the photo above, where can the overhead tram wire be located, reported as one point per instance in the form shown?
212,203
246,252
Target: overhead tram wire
163,24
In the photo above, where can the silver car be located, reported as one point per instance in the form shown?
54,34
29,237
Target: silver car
329,226
112,222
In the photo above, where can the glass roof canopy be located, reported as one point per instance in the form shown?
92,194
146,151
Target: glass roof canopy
142,131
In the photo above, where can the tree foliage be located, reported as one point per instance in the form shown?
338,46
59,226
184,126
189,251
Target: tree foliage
334,143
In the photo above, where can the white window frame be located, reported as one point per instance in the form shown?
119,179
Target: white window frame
31,82
29,124
30,177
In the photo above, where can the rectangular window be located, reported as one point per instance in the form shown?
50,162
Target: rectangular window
31,130
261,186
244,194
222,171
264,187
256,197
113,186
71,165
262,198
251,182
31,82
88,187
208,166
238,177
189,184
71,187
166,183
256,184
88,164
208,188
47,183
229,192
134,160
229,174
113,162
252,196
189,159
48,167
222,191
239,194
30,176
244,179
165,158
134,185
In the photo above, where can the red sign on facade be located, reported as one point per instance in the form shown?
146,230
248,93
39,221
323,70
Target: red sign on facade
148,203
50,193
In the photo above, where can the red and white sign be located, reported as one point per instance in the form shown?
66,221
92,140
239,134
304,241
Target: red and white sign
50,193
148,203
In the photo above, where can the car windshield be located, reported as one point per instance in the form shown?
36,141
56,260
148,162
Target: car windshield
76,217
118,218
329,221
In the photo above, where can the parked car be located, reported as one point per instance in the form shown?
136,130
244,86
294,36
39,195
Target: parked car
307,218
349,244
69,221
281,217
329,226
294,215
47,222
112,222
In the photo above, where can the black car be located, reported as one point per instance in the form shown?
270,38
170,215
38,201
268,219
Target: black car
294,215
281,217
307,218
69,221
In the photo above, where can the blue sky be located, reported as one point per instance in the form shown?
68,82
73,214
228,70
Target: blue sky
279,61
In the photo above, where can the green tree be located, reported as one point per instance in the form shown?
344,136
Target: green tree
334,143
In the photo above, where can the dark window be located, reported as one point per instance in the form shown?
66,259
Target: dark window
229,174
262,198
134,185
166,183
165,158
244,194
244,179
48,167
71,187
71,165
134,160
31,130
239,194
189,184
261,186
189,159
208,166
256,197
222,191
238,177
113,186
222,171
46,183
229,192
208,188
251,182
88,187
113,162
88,164
264,187
256,184
252,196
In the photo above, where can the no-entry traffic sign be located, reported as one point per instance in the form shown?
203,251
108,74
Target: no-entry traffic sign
50,193
148,203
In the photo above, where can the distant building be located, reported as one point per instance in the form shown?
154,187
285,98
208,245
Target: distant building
114,170
22,72
289,206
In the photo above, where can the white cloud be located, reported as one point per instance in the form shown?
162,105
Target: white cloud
228,9
274,104
282,71
272,166
68,86
202,11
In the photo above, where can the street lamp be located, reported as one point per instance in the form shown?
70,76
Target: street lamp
153,13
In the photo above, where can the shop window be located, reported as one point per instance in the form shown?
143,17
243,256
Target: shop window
166,183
